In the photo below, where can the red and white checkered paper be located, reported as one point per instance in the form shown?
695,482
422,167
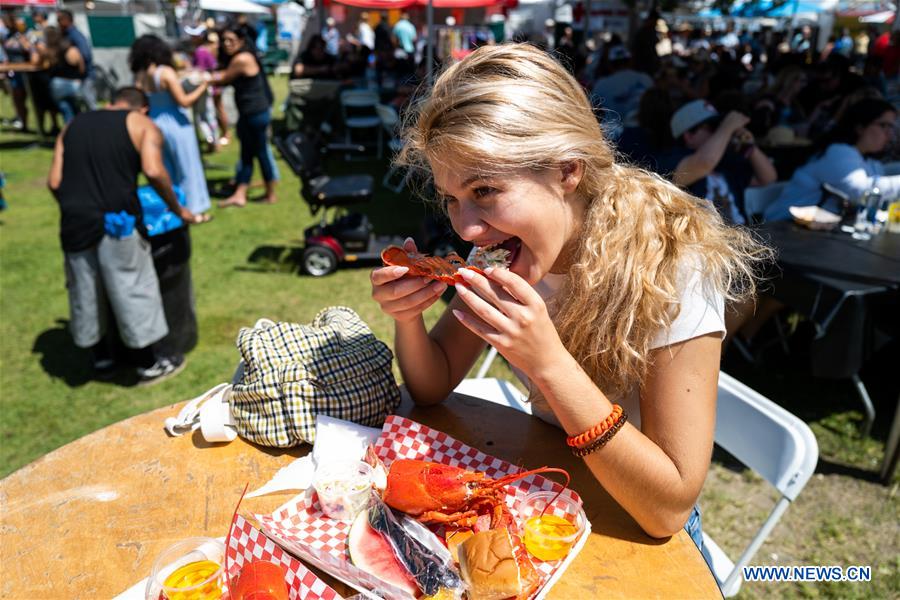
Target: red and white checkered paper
303,529
247,543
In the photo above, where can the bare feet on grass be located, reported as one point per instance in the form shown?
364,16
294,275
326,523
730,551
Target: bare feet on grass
234,200
238,198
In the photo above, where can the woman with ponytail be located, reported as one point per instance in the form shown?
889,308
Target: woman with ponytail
614,294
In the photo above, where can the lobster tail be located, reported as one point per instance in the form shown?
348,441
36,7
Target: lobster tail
398,257
421,265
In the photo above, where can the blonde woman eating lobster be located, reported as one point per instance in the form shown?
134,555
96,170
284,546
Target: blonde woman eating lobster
612,307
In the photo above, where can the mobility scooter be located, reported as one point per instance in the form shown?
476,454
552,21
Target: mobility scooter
348,237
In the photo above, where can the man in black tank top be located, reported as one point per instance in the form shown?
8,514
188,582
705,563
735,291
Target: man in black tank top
108,264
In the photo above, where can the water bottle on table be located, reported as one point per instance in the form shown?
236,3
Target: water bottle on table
866,210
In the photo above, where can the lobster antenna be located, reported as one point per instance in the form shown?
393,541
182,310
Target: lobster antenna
231,532
522,474
562,489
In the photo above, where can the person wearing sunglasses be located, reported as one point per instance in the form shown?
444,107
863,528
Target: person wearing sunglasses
846,159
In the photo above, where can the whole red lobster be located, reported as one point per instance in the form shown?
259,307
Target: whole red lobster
437,493
421,265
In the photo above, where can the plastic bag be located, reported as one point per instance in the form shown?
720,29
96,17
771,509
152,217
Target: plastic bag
417,548
158,219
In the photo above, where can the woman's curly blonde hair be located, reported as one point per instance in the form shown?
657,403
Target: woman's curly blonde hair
510,107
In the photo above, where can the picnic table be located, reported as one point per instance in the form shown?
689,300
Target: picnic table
88,520
846,288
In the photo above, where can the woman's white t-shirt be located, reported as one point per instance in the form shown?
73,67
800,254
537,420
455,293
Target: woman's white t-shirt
702,311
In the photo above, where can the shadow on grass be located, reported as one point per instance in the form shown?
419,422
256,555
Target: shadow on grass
23,145
220,187
274,259
62,359
830,467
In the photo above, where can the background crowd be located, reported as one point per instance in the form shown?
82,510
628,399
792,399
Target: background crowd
718,113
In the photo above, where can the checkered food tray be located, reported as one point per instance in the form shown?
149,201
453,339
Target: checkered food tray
247,543
302,528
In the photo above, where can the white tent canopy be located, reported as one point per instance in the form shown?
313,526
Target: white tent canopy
234,6
885,16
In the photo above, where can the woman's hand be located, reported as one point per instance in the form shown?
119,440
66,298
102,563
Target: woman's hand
186,215
404,298
509,315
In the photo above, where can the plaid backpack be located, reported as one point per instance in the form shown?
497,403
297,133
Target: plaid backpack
334,366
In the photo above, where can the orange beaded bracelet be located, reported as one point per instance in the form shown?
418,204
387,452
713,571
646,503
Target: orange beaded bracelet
597,430
603,439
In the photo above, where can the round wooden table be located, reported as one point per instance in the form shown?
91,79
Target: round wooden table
87,520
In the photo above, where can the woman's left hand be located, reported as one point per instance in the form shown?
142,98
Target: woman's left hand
508,314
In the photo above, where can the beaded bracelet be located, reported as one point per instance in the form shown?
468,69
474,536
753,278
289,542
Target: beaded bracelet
603,439
597,430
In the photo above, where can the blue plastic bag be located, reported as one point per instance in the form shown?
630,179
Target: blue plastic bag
118,225
158,219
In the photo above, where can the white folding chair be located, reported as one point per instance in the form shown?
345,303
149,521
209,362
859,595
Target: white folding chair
772,442
358,109
497,391
390,120
757,199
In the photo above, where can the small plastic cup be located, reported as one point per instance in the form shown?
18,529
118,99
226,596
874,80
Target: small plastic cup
552,536
343,488
192,569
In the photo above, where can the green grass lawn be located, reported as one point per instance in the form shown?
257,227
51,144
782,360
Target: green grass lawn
47,396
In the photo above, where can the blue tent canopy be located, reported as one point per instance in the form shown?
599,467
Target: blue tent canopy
772,8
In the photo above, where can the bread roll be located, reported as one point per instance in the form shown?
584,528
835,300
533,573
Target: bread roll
488,565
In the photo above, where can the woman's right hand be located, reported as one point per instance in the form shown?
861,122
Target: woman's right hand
404,297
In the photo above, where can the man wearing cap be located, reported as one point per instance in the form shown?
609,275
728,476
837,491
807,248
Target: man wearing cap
619,93
715,158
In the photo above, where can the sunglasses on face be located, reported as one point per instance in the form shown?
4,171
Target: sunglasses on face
888,127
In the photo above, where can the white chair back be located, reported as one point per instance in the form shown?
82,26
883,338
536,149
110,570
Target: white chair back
772,442
389,117
757,199
765,437
497,391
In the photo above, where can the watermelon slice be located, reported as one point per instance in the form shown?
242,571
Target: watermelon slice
371,552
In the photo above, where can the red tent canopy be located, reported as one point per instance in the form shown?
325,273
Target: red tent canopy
27,2
462,3
389,4
378,4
